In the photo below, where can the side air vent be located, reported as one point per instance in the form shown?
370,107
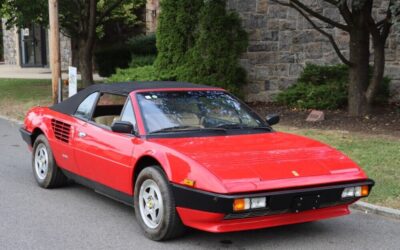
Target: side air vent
61,130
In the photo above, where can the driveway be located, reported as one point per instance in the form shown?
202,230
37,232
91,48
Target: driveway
75,217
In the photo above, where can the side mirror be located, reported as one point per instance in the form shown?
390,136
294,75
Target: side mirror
122,127
273,119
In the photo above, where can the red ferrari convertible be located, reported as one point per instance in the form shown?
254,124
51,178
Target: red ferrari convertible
189,155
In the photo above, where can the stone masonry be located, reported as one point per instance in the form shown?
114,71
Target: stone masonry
12,49
282,42
152,13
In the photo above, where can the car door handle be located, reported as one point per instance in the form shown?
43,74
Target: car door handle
81,134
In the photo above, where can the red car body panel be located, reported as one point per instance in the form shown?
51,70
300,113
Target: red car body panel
218,164
257,162
214,222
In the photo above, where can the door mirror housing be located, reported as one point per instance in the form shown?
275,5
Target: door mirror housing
122,127
272,119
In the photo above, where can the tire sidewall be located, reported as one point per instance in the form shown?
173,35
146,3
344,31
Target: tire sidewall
154,173
41,139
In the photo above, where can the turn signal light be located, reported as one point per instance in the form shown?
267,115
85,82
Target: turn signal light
249,203
241,204
189,182
364,191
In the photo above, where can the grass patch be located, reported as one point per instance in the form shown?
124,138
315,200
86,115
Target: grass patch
379,156
18,95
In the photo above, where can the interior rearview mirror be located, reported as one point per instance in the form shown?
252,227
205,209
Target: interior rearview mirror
122,127
272,119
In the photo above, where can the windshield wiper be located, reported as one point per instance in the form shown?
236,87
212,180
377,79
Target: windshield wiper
240,126
185,128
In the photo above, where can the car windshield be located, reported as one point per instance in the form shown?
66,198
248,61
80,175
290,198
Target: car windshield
171,111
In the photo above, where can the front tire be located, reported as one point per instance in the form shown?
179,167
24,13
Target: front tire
155,205
45,169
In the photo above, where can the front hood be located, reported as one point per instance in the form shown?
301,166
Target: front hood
266,161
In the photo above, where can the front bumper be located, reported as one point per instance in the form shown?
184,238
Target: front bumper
26,136
214,212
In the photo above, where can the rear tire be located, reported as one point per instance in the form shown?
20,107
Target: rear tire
45,169
155,206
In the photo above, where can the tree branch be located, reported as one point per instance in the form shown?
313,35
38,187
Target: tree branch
329,36
345,12
319,16
388,23
108,11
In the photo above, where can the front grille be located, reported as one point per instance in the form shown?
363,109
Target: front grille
61,130
253,214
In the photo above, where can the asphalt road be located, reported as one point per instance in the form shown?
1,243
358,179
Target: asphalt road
75,217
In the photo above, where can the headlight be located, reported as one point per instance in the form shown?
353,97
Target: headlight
351,192
249,203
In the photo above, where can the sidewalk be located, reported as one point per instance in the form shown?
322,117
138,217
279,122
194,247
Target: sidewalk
13,71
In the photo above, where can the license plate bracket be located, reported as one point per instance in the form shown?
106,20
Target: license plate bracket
303,203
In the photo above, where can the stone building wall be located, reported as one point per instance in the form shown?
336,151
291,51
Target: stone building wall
12,48
10,42
152,13
65,52
282,42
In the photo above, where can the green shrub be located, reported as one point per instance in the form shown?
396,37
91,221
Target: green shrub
143,45
107,60
146,73
219,42
140,61
317,75
324,87
177,25
201,42
198,41
309,96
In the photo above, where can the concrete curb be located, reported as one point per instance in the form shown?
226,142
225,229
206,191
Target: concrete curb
359,205
375,209
19,122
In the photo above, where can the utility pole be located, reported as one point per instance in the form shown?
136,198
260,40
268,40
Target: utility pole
55,50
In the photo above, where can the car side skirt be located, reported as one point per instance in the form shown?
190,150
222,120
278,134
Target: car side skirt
101,189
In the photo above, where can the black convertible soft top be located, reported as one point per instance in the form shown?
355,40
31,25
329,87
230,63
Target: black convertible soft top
70,105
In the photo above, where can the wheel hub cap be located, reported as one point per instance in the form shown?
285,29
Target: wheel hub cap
150,204
41,162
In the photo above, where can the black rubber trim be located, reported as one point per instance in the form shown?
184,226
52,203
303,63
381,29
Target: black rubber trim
100,188
276,200
206,133
26,136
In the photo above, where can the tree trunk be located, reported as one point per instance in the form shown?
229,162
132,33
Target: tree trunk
359,59
378,71
86,45
74,53
86,63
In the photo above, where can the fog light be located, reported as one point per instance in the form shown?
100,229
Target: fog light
357,191
258,202
348,192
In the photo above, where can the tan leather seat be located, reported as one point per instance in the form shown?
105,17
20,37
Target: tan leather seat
189,119
106,120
